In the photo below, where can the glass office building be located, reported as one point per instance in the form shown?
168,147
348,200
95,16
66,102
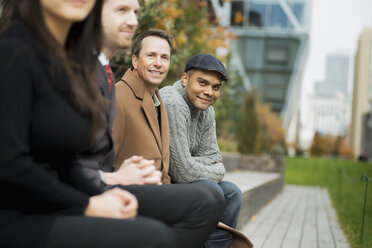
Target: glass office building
271,48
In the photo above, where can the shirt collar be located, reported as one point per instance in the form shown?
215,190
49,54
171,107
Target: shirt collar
102,58
156,100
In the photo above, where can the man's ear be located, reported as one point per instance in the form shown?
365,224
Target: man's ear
134,61
185,79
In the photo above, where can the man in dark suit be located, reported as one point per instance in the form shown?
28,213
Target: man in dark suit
118,28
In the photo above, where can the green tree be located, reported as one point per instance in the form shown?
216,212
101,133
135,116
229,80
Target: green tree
271,132
317,147
228,110
336,147
248,125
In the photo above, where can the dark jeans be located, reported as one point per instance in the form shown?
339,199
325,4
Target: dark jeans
221,238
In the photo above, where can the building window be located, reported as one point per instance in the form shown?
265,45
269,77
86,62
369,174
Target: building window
237,14
298,11
257,14
277,55
278,17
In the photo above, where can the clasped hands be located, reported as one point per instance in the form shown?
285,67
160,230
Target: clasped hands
135,170
119,203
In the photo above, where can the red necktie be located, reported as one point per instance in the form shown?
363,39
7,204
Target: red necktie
109,76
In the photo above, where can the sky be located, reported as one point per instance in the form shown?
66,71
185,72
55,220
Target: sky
335,28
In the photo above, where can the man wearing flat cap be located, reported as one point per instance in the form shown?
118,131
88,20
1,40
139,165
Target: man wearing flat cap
194,153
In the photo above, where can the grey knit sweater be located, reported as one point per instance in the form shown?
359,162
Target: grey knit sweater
194,152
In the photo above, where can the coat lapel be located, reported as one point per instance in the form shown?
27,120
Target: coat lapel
147,105
148,109
164,124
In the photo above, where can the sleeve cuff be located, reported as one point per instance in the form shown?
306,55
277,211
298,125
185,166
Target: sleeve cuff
102,175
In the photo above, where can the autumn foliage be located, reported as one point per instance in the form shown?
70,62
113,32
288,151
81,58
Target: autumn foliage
260,130
318,145
271,133
330,145
248,125
345,150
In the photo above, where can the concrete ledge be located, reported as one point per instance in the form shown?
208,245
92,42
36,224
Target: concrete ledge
264,163
258,188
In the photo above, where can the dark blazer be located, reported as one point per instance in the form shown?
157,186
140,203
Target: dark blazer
101,156
136,129
41,131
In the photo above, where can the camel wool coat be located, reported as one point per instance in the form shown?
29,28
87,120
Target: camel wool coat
136,128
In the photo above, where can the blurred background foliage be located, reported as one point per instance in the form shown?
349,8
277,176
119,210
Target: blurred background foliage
244,123
330,146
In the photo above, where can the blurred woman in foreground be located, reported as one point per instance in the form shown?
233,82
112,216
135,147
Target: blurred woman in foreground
51,106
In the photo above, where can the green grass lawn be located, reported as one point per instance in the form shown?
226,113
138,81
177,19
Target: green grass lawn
347,197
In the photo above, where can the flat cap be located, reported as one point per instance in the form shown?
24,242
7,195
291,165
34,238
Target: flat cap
204,61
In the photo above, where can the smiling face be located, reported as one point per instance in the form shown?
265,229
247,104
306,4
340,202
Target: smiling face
202,88
119,22
153,61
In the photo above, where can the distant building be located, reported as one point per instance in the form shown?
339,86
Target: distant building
329,115
337,75
362,92
366,145
270,50
327,111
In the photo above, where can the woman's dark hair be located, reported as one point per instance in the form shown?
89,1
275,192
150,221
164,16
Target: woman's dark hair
137,43
77,57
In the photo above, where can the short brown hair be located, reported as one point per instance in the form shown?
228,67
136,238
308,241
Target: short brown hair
137,43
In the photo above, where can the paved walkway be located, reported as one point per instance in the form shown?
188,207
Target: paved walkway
299,217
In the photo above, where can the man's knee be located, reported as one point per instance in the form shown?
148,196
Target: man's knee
214,188
231,191
208,196
213,195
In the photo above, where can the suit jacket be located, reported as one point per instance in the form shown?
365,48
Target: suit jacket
101,155
136,128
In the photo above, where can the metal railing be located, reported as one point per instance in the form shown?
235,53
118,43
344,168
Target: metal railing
364,178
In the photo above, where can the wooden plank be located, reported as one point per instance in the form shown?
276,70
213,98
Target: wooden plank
266,212
308,235
325,236
338,236
299,217
278,231
263,231
293,235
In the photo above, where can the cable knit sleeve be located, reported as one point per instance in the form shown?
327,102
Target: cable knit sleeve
188,164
